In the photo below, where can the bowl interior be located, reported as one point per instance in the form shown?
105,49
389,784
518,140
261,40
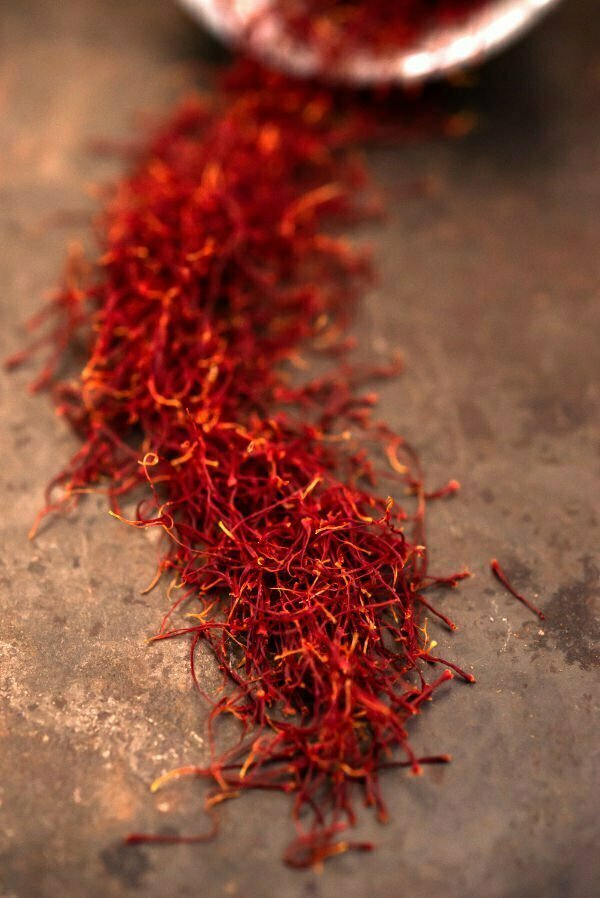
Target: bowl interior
254,23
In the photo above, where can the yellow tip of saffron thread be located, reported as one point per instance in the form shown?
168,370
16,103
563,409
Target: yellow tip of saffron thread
176,774
226,531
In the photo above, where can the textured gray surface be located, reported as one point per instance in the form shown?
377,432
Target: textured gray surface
490,285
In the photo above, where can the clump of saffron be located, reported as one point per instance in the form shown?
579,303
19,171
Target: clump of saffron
335,27
308,584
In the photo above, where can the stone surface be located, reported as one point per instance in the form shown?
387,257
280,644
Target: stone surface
490,286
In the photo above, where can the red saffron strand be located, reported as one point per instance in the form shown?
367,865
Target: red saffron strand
217,267
501,576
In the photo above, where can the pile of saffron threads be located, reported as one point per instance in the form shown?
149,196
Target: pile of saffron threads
335,27
283,557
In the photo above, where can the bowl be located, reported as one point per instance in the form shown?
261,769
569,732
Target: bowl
255,25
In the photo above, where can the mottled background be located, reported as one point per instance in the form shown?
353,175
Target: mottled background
490,286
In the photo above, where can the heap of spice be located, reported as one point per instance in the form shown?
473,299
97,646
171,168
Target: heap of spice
309,585
335,27
284,557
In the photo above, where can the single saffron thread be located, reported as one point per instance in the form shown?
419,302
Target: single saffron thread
501,576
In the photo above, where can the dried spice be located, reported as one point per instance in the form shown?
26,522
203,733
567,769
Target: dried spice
335,27
308,584
503,579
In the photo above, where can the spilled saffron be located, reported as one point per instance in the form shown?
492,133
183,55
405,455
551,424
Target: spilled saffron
219,263
503,579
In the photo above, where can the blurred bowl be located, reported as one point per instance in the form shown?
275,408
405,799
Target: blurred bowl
255,25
